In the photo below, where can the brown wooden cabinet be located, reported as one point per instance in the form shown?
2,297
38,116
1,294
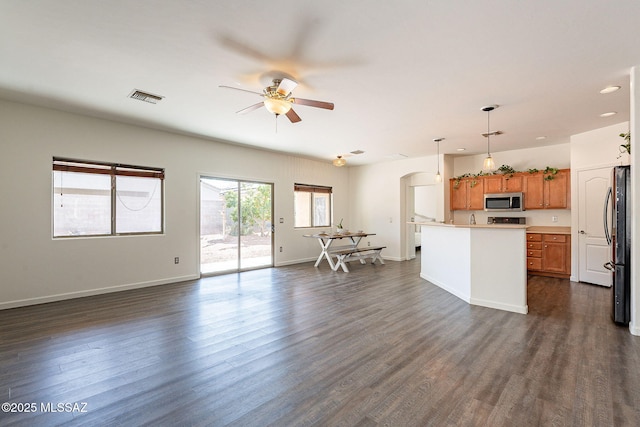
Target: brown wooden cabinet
557,191
545,191
467,194
549,254
541,191
503,183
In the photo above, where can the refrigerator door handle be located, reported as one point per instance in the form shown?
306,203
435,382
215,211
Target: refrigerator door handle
605,216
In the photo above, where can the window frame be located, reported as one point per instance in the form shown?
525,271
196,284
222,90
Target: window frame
63,164
314,189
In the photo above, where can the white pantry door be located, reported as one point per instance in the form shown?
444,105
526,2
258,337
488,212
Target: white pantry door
593,251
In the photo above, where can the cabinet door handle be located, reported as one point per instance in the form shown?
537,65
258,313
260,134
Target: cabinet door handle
546,246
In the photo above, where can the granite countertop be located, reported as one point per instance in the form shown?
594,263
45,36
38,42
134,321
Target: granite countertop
549,229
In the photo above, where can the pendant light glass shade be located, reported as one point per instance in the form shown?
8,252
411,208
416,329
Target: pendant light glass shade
488,165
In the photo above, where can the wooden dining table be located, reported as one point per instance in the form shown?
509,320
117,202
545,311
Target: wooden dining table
327,239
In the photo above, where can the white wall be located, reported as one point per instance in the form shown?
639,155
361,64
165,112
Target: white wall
426,201
35,268
557,156
598,147
378,201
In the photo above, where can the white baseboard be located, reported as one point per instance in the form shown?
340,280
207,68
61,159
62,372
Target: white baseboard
475,301
500,306
295,261
91,292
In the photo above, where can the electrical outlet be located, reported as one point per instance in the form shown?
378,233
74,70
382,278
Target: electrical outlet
176,260
368,243
554,218
280,248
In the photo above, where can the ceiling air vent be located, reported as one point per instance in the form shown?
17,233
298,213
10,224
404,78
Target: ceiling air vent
145,96
357,152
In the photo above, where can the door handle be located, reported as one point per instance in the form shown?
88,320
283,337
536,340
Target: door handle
583,232
605,218
609,266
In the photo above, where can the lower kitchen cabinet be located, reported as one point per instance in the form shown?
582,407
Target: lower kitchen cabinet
549,254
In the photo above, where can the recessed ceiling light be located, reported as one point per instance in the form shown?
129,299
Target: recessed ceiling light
609,114
460,149
610,89
540,138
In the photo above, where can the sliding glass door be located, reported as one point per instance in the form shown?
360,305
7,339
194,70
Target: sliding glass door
235,225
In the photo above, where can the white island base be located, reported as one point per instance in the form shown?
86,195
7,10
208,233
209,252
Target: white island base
483,265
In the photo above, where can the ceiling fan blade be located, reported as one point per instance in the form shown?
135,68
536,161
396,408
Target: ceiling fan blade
286,86
251,108
244,90
312,103
292,116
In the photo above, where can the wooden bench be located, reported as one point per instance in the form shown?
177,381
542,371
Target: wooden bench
349,254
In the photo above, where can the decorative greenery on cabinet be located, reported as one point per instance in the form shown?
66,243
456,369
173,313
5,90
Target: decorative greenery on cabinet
549,173
627,146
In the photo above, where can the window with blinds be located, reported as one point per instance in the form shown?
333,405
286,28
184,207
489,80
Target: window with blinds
312,206
103,199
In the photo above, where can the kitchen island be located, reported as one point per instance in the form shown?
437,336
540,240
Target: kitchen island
483,265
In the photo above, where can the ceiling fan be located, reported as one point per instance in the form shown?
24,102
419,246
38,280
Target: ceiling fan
278,99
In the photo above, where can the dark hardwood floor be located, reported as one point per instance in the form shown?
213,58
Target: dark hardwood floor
300,346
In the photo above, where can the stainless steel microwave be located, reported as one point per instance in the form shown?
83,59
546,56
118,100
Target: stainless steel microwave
500,202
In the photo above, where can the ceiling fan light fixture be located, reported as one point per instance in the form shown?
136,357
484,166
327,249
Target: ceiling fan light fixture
277,106
339,161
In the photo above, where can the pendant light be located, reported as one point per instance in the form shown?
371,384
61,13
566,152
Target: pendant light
438,176
489,165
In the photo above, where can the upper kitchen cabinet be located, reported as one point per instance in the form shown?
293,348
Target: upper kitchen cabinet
467,194
503,183
547,190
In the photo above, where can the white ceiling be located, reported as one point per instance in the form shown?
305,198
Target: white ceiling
400,73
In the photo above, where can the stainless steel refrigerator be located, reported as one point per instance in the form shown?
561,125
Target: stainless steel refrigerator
619,203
